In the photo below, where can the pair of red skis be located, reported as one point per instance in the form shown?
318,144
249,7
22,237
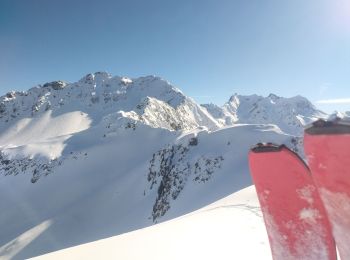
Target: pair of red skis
306,208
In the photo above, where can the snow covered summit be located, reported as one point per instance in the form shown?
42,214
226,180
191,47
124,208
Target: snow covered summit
151,99
290,114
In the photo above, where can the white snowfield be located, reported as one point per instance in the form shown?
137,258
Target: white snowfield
85,161
231,228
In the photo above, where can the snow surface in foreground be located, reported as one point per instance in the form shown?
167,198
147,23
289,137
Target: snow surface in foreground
231,228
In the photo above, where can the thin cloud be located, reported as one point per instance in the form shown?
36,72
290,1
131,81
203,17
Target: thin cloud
334,101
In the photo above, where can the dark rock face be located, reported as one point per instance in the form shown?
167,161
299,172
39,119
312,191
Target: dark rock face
11,94
56,85
35,167
2,108
88,79
171,168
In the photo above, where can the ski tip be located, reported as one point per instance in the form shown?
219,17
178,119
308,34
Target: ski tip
324,127
275,148
266,147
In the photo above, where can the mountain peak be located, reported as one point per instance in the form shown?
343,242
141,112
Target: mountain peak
290,114
56,85
233,98
273,97
95,77
126,81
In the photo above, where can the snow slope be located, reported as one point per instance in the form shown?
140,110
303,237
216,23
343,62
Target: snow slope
108,186
231,228
108,155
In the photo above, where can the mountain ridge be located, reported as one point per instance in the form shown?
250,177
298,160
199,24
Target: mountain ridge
290,114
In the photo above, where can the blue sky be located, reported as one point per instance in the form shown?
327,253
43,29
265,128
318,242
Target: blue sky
210,49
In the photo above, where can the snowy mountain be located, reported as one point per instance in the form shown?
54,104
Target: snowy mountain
153,100
344,115
107,155
290,114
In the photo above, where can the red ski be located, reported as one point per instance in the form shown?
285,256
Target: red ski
327,146
295,219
